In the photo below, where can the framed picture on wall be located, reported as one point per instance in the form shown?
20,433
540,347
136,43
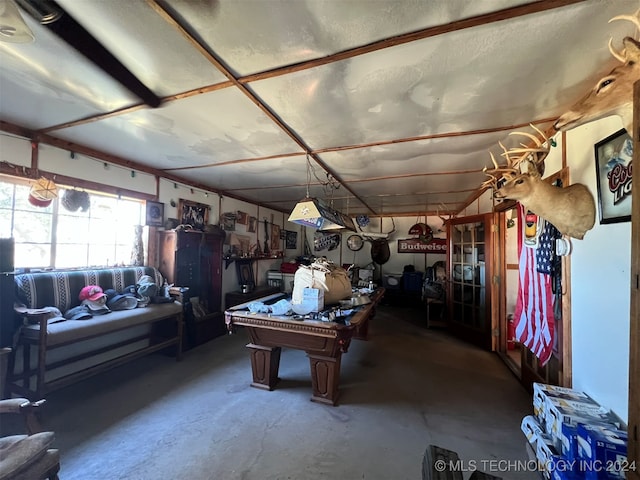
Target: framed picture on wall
244,271
291,240
275,238
252,225
242,217
154,214
228,221
193,213
613,174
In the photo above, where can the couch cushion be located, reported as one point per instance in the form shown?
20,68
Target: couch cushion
19,451
61,288
74,330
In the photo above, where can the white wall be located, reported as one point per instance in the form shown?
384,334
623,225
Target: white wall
600,286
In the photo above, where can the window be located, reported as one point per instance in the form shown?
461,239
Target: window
55,237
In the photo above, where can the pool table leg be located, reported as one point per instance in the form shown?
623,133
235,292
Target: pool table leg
265,362
325,376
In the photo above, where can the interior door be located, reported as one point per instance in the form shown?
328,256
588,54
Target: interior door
517,357
469,286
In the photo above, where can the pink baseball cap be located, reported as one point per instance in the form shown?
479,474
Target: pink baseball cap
91,292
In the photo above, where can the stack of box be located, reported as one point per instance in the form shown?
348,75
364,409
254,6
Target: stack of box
573,437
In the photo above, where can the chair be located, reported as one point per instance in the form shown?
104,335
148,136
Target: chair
434,292
26,457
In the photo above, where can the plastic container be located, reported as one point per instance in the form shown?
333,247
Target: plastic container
412,281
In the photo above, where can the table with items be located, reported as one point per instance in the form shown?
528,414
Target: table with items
323,335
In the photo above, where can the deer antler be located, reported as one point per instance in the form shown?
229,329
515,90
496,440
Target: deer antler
621,56
444,220
499,171
535,155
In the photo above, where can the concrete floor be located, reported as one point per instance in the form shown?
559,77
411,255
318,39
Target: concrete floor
405,388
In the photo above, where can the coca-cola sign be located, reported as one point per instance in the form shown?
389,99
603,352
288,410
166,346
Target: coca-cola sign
415,245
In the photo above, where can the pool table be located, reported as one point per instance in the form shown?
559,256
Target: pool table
324,343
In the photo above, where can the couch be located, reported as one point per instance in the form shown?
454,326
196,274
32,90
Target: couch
51,353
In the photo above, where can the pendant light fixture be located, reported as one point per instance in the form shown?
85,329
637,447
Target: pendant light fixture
315,213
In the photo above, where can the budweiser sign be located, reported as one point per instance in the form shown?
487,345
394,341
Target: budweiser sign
415,245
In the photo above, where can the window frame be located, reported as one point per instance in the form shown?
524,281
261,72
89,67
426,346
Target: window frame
56,212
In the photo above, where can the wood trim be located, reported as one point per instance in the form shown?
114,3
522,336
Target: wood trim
498,288
634,323
498,302
34,173
564,335
478,20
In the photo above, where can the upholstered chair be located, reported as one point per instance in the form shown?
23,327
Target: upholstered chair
28,456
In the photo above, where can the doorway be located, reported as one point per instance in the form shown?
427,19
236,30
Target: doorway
516,356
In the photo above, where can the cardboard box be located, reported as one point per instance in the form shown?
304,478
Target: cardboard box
559,411
569,441
542,391
546,455
313,297
531,429
602,451
562,474
569,437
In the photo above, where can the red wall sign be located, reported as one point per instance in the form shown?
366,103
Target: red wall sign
415,245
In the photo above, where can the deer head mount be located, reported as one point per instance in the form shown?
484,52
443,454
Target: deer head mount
380,252
613,93
571,210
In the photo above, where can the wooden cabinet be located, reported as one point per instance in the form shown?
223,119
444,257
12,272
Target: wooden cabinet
194,259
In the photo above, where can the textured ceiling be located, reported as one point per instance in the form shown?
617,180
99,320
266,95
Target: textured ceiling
396,103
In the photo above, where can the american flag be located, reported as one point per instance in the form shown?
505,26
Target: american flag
533,317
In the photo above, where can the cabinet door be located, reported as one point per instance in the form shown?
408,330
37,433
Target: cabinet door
211,270
180,258
469,279
167,256
188,269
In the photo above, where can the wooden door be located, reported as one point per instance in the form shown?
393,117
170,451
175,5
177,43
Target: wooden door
211,269
469,287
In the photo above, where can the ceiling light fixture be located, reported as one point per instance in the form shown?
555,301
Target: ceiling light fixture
314,213
44,11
